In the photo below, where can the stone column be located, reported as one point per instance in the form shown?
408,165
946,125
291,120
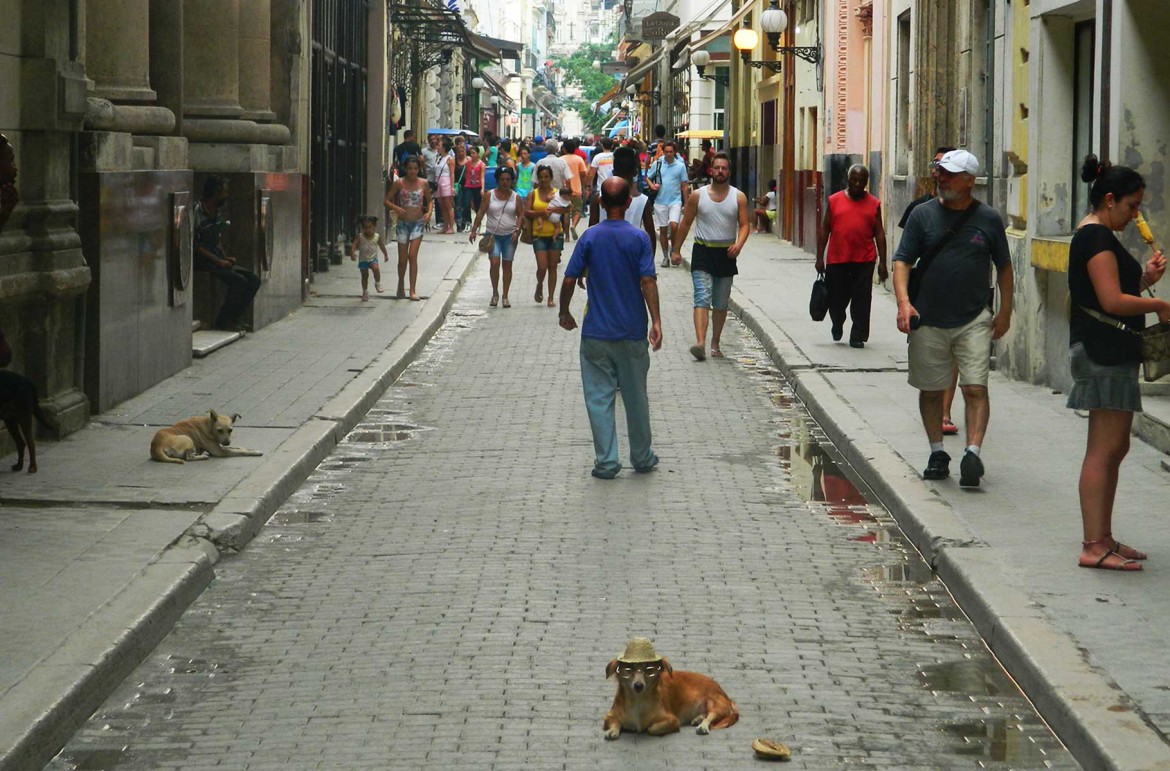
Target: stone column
255,54
211,58
117,44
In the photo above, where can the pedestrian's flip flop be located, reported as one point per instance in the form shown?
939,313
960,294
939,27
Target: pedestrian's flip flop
698,352
766,749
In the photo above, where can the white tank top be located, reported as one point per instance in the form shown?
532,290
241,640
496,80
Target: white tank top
500,221
635,210
717,224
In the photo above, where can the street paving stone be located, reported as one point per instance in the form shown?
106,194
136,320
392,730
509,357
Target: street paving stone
446,589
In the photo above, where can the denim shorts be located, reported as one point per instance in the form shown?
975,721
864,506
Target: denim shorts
409,231
503,247
711,291
367,264
548,244
1102,386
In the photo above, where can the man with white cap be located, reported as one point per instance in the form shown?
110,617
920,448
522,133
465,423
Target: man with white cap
954,240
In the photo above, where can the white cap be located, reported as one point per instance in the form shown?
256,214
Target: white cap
960,161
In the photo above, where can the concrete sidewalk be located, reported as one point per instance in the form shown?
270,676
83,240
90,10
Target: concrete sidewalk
103,549
1085,645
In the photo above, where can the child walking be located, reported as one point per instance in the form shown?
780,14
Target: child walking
365,250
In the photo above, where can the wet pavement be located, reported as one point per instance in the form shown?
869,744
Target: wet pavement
446,589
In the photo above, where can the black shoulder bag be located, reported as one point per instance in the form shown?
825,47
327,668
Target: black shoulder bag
919,267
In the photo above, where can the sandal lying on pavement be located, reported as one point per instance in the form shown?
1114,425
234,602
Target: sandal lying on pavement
949,428
1121,562
766,749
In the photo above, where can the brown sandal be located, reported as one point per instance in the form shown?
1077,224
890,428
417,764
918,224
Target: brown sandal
1125,564
1128,552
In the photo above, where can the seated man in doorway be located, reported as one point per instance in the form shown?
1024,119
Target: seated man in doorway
242,284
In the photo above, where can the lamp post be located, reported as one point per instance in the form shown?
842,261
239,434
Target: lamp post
701,59
654,96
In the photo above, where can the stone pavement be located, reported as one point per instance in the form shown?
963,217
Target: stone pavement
445,590
1087,646
103,549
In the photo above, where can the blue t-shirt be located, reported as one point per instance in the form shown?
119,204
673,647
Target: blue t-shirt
671,176
617,256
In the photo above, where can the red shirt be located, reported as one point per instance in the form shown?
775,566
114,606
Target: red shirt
852,225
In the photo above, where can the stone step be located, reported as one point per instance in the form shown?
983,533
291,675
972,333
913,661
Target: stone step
206,341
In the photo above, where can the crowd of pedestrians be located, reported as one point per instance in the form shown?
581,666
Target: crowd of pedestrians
638,199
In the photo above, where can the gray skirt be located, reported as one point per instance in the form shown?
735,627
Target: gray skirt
1102,386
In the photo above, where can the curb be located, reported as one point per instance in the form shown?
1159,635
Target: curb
87,667
1086,710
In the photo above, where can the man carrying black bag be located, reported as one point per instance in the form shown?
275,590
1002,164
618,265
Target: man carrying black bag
948,320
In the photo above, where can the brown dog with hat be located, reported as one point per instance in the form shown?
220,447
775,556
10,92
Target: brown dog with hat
654,698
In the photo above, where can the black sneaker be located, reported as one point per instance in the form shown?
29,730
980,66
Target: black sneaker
856,343
970,470
837,332
939,465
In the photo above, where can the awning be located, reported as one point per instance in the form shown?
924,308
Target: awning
497,89
510,49
702,19
481,48
545,110
438,29
635,75
611,95
683,59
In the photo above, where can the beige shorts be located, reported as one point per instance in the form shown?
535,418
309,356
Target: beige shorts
934,351
575,204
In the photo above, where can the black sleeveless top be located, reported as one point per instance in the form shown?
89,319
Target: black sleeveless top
1103,343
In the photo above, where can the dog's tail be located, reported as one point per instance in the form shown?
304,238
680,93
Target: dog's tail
730,719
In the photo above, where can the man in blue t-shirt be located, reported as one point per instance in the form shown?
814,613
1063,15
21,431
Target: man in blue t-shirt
669,179
614,350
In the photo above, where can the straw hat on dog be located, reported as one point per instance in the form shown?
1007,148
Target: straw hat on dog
639,650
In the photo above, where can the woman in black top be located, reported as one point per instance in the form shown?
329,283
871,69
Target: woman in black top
1104,277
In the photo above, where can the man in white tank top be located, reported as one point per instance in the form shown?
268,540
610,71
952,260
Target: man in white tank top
719,213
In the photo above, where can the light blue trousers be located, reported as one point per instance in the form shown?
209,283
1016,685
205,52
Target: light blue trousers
607,365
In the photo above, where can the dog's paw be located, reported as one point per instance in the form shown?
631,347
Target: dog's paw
703,729
612,734
698,720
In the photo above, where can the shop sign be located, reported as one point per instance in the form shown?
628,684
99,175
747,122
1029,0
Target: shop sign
657,26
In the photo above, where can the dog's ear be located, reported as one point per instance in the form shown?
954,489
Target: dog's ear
666,667
236,417
610,669
214,416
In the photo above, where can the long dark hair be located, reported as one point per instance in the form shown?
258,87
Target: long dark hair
1107,178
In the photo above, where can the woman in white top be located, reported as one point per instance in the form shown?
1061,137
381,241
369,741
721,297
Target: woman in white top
505,211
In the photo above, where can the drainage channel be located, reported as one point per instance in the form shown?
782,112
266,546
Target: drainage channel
1010,733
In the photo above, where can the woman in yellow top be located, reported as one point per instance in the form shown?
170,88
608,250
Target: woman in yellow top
548,240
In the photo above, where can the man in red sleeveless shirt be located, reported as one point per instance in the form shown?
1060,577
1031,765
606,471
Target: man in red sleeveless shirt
853,231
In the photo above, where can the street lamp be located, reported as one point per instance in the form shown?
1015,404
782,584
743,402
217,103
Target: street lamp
775,21
644,96
700,59
477,83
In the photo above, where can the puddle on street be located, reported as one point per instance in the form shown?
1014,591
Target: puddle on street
1011,733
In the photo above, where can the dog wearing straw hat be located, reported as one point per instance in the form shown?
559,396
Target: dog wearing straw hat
653,698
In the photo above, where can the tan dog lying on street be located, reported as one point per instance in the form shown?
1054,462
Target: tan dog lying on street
197,438
654,698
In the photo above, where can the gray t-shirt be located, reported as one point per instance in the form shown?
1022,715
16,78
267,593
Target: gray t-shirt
956,287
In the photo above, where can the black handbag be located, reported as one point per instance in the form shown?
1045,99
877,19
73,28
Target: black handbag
818,303
918,269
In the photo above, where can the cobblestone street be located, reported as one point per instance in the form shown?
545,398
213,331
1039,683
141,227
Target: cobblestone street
447,589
